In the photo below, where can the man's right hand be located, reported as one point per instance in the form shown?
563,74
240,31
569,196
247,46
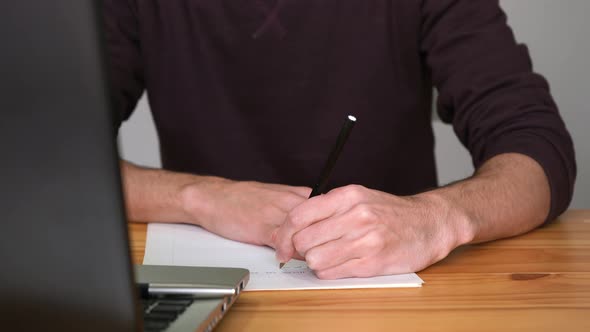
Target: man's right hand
243,211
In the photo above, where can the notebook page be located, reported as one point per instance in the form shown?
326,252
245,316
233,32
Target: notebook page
188,245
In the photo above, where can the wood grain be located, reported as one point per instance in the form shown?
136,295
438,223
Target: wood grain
137,238
539,281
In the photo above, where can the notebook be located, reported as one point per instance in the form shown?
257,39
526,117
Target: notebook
63,237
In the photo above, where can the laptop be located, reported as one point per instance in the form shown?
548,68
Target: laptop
64,250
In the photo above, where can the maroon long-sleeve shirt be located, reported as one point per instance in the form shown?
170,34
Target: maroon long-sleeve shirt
258,89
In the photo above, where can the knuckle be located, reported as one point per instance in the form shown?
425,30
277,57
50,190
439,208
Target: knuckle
339,192
365,213
354,192
294,218
374,241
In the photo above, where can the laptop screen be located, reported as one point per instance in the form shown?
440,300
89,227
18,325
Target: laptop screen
63,243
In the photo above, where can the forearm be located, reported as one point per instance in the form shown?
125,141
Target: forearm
507,196
245,211
155,195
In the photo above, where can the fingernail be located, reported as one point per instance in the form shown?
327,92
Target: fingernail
279,258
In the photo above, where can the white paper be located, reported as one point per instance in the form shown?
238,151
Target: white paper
187,245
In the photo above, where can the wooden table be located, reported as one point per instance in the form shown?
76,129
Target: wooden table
537,282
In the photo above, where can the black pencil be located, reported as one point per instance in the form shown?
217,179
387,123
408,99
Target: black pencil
332,158
334,154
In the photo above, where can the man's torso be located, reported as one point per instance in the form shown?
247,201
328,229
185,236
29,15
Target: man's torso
257,90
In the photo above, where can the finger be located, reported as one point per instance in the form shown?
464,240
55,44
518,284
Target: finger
301,217
315,209
268,236
327,230
353,268
331,254
367,267
326,258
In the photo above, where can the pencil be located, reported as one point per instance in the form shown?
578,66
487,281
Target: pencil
332,158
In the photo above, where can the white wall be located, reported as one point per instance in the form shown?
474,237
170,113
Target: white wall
556,33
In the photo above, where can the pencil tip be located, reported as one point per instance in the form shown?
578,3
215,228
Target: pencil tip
281,265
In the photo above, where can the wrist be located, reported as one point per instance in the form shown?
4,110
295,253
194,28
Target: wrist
196,198
152,195
457,223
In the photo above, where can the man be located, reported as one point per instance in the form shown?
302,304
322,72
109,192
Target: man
247,97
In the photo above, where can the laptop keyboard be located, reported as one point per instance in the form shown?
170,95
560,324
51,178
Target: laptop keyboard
158,314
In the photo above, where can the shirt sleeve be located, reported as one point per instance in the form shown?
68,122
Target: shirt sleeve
123,56
490,94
